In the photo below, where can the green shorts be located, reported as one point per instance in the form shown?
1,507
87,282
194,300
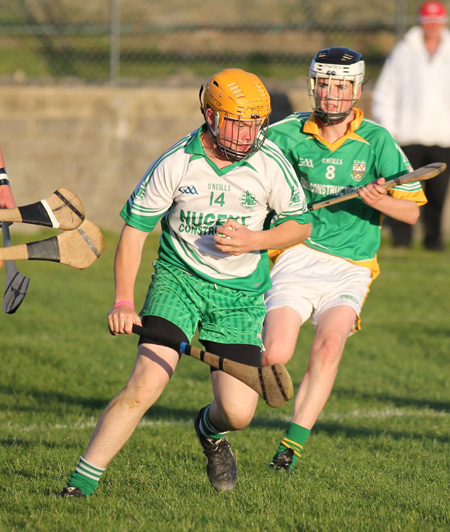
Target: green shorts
222,315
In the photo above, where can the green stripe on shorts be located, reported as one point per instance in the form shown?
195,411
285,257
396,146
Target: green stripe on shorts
222,315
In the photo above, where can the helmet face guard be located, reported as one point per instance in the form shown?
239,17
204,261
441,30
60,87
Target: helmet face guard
228,136
240,106
332,64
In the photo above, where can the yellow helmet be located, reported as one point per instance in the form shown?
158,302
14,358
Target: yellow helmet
234,94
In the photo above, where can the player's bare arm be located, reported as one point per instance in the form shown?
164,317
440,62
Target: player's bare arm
377,197
126,265
243,240
6,198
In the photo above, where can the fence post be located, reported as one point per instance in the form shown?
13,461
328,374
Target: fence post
114,36
399,20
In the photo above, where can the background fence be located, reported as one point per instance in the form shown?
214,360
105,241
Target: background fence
141,41
92,91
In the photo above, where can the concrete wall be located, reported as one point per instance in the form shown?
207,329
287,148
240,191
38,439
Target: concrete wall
96,141
99,141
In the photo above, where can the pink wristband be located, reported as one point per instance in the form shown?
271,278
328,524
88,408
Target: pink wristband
129,303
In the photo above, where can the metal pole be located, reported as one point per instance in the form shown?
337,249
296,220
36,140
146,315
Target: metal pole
114,53
399,20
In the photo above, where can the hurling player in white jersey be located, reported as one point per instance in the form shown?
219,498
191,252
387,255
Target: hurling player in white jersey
327,278
215,193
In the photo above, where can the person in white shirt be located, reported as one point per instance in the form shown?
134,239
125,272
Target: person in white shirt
215,193
411,99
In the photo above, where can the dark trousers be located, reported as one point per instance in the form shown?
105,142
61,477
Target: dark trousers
435,190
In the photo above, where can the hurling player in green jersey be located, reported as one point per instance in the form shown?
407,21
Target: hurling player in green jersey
326,279
215,192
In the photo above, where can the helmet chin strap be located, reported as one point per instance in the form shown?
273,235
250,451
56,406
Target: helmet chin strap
220,150
230,152
331,119
216,149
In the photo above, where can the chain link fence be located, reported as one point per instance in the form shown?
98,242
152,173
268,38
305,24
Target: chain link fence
141,41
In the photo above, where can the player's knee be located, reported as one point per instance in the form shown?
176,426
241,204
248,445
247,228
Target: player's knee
237,418
138,397
326,356
240,421
276,355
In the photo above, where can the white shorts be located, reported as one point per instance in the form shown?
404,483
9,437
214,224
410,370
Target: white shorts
311,282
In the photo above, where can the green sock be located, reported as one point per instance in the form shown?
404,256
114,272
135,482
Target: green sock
86,477
207,428
294,438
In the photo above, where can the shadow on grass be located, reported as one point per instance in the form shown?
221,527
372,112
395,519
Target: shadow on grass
53,401
350,431
360,432
57,401
439,406
60,404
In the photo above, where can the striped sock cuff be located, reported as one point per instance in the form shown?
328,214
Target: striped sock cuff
89,470
208,429
290,444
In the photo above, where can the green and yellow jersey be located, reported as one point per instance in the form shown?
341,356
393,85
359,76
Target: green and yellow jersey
350,229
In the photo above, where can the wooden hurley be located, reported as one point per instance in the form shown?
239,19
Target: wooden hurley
78,248
272,383
421,174
62,210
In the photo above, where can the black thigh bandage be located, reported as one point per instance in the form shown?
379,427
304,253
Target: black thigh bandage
162,326
242,353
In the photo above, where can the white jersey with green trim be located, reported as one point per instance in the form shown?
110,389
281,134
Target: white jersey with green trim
192,196
352,229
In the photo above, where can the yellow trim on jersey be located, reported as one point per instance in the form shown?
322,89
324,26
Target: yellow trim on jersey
312,128
274,254
372,264
418,196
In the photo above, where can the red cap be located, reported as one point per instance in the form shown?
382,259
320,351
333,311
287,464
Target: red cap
433,12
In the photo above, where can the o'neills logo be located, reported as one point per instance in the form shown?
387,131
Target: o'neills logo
359,170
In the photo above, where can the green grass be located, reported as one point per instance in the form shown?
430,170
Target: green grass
377,459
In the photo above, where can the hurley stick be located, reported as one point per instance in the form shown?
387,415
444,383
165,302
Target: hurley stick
272,383
421,174
62,210
78,248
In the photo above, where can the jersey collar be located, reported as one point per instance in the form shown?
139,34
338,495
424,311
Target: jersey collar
311,127
194,147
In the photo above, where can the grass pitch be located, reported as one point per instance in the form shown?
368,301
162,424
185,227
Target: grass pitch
377,459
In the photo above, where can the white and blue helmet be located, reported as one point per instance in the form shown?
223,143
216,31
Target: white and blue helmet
333,63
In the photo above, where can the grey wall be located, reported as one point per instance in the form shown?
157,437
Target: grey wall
98,141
